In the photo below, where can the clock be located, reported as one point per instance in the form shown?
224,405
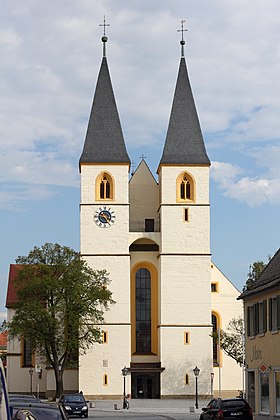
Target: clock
104,217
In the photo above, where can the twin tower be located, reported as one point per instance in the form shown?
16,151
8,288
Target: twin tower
153,237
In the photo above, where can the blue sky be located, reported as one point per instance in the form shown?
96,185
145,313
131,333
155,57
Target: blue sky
51,53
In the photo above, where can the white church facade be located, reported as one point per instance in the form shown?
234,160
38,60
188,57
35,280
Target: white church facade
153,237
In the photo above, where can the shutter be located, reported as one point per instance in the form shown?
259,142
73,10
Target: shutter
278,311
248,321
264,315
256,318
270,314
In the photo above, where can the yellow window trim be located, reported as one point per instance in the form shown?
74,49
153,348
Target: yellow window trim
97,186
186,337
154,305
105,379
179,180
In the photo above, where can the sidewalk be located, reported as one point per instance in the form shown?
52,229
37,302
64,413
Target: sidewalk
179,406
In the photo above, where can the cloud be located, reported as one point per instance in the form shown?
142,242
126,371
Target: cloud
52,57
253,191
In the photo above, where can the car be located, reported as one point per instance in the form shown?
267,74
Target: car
229,408
41,411
74,404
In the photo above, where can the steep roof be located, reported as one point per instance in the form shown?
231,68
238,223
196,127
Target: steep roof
184,143
12,297
268,279
104,141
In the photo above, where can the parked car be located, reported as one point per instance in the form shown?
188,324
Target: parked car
74,404
41,411
230,408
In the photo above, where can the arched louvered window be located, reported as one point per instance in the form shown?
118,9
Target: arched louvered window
104,186
185,187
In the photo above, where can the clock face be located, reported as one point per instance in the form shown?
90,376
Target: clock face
104,217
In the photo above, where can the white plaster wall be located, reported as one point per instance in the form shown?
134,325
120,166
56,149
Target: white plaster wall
179,236
180,359
185,289
225,304
89,173
168,177
109,240
116,355
119,274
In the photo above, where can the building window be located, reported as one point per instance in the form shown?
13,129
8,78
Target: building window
104,187
185,187
186,337
27,353
216,326
186,379
186,215
105,379
277,391
143,310
264,392
257,318
214,287
104,337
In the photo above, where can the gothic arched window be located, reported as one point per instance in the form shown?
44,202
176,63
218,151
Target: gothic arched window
216,326
185,187
104,186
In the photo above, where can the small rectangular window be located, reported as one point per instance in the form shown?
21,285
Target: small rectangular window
186,379
214,287
186,214
105,379
186,337
104,337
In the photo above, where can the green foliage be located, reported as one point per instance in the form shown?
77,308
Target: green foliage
231,340
61,303
255,270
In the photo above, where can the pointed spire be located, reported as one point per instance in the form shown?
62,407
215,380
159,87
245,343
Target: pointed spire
104,141
184,143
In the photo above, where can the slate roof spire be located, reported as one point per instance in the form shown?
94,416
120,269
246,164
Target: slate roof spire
104,142
184,144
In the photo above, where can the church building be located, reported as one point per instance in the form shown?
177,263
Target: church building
153,237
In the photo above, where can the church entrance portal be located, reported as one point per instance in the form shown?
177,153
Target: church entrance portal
145,385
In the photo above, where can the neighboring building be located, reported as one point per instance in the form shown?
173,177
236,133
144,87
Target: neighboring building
153,237
3,347
262,324
25,371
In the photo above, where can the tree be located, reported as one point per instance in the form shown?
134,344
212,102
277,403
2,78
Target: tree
255,270
231,340
60,307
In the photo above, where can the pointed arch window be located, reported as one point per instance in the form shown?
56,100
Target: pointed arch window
104,187
143,310
185,187
216,327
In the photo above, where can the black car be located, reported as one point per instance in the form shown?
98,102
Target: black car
74,404
230,408
41,411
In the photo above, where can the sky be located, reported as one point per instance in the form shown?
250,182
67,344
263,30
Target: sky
50,58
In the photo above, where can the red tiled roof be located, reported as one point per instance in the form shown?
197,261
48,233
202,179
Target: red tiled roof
11,297
3,339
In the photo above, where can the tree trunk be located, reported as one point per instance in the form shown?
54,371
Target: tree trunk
58,381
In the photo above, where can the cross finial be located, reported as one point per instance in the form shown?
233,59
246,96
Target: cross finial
142,157
104,39
182,42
